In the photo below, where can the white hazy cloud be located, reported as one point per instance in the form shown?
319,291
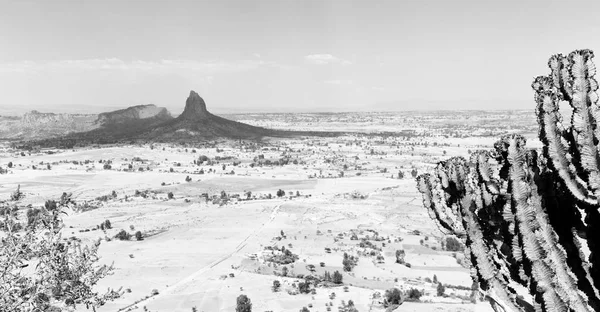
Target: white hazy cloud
324,59
204,67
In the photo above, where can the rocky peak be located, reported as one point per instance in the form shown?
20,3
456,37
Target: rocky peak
195,108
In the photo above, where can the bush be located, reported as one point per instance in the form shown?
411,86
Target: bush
138,235
243,304
170,195
414,295
392,296
452,244
123,235
64,273
304,287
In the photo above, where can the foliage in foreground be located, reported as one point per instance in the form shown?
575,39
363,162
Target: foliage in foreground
530,220
40,271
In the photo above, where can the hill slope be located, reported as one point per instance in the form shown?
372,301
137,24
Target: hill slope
149,123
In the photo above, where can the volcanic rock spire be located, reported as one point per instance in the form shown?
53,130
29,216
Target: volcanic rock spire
195,108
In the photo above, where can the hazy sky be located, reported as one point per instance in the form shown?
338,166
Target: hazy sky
277,55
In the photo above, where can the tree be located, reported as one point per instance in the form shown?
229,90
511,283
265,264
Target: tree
435,279
440,290
170,195
243,304
280,193
337,277
10,164
276,286
349,262
138,236
284,271
414,172
304,287
400,253
392,296
58,273
188,179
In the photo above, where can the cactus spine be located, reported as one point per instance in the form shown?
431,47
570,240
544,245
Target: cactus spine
530,220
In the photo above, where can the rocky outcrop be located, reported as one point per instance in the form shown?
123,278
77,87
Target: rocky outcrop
195,108
133,113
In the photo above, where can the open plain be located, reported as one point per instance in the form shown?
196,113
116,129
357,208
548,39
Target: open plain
231,217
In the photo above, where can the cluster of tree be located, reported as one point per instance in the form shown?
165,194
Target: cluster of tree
349,262
336,277
285,256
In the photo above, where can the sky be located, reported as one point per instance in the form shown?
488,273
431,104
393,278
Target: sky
283,56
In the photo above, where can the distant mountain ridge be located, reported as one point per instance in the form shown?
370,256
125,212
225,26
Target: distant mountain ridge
149,123
35,125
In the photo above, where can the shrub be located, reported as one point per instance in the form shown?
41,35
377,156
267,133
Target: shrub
452,244
304,287
123,235
392,296
64,273
413,294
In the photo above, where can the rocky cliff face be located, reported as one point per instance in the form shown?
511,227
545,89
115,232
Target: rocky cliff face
35,117
36,125
133,113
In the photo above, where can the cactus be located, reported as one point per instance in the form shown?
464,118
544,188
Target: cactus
530,219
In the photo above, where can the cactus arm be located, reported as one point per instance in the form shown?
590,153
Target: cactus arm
560,76
585,111
552,135
428,185
556,284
